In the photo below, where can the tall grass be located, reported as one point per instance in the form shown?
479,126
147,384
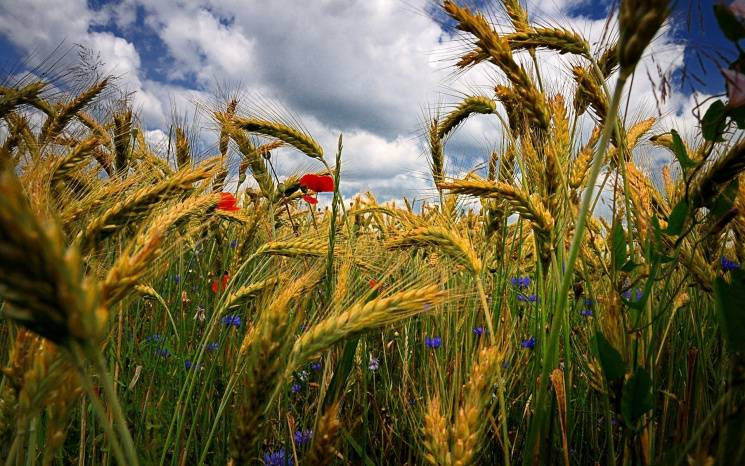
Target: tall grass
149,317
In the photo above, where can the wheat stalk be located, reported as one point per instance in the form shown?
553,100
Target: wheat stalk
362,317
137,204
500,54
469,106
292,136
446,240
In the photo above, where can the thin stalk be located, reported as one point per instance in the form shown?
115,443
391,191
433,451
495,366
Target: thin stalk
31,449
332,227
83,427
579,231
95,356
98,407
500,384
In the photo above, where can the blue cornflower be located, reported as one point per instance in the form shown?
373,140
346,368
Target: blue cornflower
177,278
232,320
374,363
295,388
163,352
478,331
589,302
529,343
521,282
638,295
233,244
586,313
187,364
728,265
278,458
530,298
213,346
302,436
433,343
315,366
155,338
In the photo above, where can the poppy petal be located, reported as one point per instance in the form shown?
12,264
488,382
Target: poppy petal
317,183
227,202
310,199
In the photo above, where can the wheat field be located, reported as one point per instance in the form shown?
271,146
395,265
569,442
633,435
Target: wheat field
154,310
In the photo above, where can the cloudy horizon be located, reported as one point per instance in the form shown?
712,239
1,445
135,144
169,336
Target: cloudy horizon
371,70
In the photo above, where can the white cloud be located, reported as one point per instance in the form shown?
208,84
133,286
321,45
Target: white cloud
366,68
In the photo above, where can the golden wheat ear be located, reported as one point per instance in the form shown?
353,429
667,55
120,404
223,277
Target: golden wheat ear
13,98
323,451
288,134
40,278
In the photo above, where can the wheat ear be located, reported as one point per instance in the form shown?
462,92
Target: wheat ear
292,136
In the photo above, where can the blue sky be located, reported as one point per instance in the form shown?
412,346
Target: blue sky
371,69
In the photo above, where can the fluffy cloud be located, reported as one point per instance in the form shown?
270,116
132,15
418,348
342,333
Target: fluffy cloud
368,69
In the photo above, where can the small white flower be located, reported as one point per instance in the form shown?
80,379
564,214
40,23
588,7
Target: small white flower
200,314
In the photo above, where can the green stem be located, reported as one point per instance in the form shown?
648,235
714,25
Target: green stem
332,227
98,408
561,301
500,384
95,356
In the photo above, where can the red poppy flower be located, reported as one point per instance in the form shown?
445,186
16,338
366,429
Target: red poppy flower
227,202
374,284
310,199
318,183
217,286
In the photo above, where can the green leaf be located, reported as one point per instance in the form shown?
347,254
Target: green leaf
629,266
636,397
613,365
732,28
618,245
677,218
679,149
712,124
738,116
730,304
725,201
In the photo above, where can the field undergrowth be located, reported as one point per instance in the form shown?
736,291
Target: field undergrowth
152,311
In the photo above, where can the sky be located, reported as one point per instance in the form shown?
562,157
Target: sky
372,70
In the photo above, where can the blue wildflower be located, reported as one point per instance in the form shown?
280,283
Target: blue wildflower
315,366
728,265
233,244
302,436
374,363
213,346
295,388
589,302
525,299
234,320
638,295
529,343
521,282
187,364
433,343
586,313
163,352
278,458
155,338
177,279
478,331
